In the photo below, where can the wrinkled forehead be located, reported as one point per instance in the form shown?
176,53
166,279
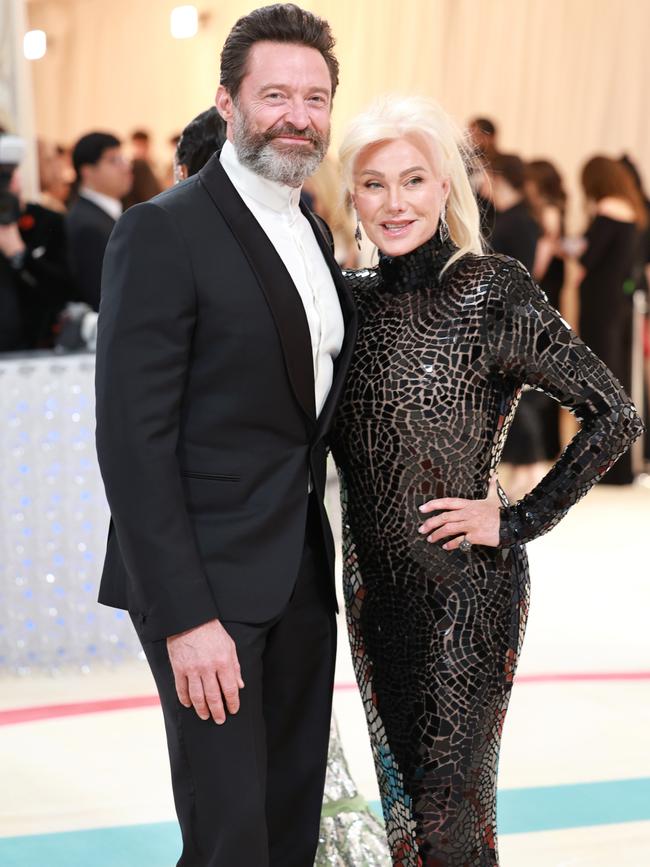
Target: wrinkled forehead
286,63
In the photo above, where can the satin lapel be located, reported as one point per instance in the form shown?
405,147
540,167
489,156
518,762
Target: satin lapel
349,311
274,280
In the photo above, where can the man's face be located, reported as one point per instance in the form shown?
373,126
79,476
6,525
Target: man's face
111,174
280,120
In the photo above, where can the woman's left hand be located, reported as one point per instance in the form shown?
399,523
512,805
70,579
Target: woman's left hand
476,521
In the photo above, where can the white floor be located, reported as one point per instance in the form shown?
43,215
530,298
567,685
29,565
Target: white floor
591,598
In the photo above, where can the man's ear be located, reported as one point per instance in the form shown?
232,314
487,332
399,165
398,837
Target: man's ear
224,104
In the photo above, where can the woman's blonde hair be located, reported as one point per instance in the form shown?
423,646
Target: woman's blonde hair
394,117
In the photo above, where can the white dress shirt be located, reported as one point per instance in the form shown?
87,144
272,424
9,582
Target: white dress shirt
110,206
276,208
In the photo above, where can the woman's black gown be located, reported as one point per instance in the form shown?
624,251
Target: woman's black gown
606,309
436,635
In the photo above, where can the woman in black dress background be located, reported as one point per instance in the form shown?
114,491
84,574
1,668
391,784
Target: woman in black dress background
437,602
618,216
547,198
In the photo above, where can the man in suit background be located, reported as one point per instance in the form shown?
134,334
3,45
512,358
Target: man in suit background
225,333
104,177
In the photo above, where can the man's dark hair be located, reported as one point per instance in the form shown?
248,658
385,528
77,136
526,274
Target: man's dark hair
200,139
90,148
511,168
140,135
282,22
486,126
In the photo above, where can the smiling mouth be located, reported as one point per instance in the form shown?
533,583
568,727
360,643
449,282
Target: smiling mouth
293,139
396,229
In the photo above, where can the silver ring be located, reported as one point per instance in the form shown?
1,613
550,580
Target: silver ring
465,546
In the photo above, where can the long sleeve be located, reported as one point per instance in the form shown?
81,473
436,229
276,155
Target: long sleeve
529,343
146,322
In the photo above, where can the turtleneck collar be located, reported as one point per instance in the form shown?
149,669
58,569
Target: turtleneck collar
269,194
419,269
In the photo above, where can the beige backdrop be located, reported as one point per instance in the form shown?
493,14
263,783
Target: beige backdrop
563,78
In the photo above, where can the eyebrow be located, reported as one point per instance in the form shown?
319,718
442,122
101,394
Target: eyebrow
401,174
265,87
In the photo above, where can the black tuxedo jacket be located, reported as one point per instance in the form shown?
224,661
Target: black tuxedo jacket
206,427
88,228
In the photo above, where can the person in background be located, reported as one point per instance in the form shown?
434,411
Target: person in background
515,234
642,282
145,178
200,139
169,176
35,281
324,189
515,230
545,194
141,145
56,176
103,178
617,215
482,134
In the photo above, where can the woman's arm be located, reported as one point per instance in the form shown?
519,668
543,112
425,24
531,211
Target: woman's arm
530,343
547,244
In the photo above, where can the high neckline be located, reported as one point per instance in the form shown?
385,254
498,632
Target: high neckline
419,269
269,194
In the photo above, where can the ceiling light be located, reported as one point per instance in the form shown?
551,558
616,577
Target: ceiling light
184,22
34,44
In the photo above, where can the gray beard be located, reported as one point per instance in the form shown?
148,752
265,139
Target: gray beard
290,166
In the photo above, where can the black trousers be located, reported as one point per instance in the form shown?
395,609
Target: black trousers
249,793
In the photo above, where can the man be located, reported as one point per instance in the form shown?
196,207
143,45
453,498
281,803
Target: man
225,333
104,177
483,136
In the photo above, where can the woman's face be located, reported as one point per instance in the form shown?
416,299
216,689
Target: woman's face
398,194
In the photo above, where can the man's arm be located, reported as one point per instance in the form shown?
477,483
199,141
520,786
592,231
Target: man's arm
145,328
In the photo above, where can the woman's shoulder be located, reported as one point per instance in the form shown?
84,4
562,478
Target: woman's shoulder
614,208
485,269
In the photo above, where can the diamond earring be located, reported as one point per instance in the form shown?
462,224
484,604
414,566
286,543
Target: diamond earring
357,233
443,227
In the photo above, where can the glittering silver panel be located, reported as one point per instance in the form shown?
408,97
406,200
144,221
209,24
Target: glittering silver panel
436,635
54,520
350,835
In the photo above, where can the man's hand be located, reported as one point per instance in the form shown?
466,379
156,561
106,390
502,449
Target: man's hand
205,665
11,242
477,521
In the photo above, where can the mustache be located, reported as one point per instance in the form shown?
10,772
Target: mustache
288,129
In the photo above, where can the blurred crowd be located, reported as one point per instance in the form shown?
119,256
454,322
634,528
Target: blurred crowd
51,250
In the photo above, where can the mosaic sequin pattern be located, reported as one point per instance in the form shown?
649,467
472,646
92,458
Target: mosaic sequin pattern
436,635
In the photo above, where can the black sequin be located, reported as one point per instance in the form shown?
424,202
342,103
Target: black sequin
436,635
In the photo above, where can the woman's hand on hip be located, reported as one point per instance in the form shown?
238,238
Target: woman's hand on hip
475,521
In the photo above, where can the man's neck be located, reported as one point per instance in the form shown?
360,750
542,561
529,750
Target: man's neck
108,204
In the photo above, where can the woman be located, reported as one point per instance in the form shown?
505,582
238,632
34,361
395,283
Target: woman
617,216
437,597
516,233
545,192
